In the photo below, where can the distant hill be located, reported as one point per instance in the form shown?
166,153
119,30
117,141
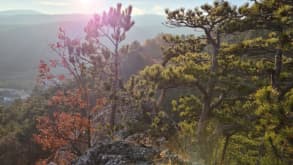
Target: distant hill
19,12
24,40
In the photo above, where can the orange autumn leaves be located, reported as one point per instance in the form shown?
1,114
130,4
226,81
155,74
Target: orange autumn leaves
71,99
61,130
45,73
89,65
65,129
74,100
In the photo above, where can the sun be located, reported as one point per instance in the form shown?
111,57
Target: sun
89,6
85,2
85,5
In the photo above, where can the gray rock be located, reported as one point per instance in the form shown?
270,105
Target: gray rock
117,153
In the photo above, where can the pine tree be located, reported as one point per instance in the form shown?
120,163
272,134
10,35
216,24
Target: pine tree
272,49
203,67
93,65
113,26
209,19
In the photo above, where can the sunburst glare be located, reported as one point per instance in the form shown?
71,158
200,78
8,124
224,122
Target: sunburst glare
89,6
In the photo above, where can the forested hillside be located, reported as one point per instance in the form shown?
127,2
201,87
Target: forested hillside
222,95
19,26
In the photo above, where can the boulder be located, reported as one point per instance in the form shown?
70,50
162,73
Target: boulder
118,153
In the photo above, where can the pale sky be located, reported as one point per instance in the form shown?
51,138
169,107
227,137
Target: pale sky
94,6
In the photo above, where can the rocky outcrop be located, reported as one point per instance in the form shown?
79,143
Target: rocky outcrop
118,153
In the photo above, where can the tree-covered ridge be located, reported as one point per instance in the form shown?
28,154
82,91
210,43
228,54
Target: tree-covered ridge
225,80
223,97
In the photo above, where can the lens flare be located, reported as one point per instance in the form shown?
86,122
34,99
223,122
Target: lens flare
85,2
87,6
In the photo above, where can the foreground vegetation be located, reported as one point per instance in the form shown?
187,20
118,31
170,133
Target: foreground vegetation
224,97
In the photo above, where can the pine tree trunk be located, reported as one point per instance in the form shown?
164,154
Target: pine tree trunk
203,118
160,99
201,134
225,149
115,88
89,132
87,113
277,69
207,98
275,150
205,113
261,151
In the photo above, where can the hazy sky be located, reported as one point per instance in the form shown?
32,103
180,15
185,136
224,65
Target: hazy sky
90,6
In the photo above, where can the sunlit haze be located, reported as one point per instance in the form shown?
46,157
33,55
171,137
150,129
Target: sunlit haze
119,82
89,6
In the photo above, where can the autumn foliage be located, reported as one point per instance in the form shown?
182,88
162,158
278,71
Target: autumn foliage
61,130
90,66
